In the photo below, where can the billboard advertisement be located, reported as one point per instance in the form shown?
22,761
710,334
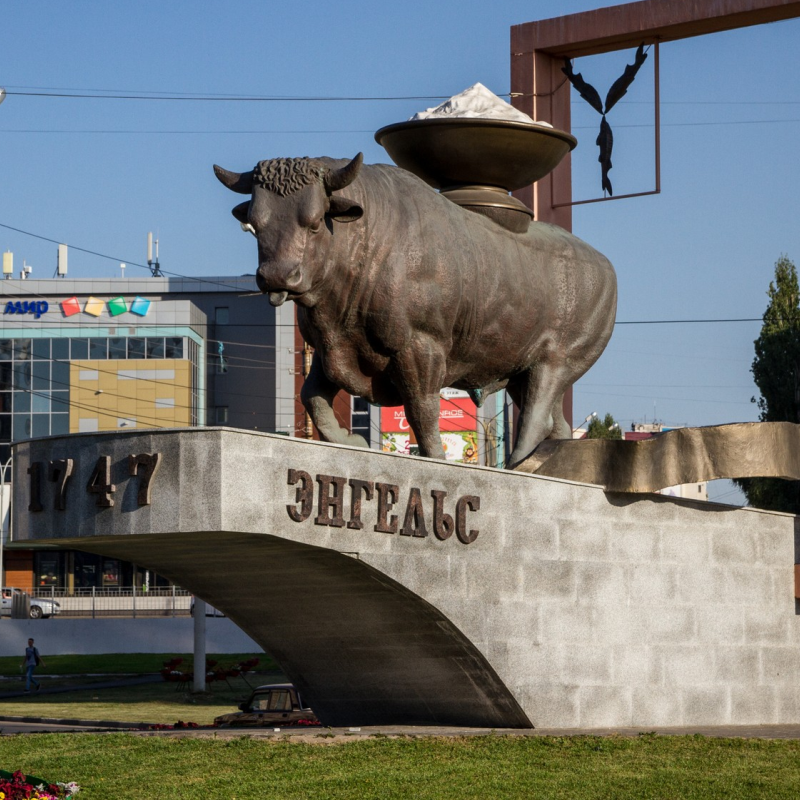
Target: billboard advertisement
458,423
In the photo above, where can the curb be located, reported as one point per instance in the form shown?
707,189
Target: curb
88,723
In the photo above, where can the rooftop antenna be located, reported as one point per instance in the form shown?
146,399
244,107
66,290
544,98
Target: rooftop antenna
61,264
155,267
122,268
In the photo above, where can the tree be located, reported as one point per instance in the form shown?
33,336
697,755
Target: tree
776,372
606,428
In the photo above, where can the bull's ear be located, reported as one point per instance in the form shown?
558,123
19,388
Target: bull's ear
240,212
344,210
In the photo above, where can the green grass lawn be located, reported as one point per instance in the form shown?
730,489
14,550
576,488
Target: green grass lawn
122,766
154,702
151,702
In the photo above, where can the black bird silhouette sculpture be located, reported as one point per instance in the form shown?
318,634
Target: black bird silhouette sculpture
605,139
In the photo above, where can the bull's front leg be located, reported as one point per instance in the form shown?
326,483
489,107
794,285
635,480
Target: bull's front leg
317,395
418,374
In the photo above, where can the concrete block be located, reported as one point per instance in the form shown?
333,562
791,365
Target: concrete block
550,580
750,585
674,625
651,583
636,665
655,706
535,662
685,546
720,624
562,623
688,666
582,665
701,586
542,543
767,626
512,620
787,701
551,705
601,706
780,665
737,665
619,623
774,548
705,705
600,584
754,705
584,540
637,543
733,547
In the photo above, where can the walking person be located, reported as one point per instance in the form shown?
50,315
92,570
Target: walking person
30,662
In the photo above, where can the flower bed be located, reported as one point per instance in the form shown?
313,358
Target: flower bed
16,786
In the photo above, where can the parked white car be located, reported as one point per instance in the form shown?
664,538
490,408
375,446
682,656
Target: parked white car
40,606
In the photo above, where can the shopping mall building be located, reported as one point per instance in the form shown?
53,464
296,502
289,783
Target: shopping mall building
156,352
162,352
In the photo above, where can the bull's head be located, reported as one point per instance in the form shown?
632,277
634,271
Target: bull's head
292,213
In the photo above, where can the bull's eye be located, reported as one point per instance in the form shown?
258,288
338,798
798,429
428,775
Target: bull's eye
316,226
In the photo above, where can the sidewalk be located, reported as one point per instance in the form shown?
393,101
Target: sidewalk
118,683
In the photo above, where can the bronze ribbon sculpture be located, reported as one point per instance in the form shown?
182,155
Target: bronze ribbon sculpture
684,455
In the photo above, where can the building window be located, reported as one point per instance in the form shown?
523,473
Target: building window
41,348
117,348
136,348
221,415
98,349
221,315
173,347
155,348
80,349
359,418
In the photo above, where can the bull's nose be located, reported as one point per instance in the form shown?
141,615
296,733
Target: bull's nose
261,282
294,279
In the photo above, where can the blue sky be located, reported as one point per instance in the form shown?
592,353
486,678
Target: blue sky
100,173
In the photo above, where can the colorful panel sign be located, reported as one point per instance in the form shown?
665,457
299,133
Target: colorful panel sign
117,305
94,306
70,306
140,306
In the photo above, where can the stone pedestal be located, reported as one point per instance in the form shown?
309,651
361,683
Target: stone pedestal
395,589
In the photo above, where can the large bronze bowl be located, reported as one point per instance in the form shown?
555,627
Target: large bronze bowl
463,151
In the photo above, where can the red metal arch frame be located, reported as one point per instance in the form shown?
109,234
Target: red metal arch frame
538,50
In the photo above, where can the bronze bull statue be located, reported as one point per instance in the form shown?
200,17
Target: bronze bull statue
401,293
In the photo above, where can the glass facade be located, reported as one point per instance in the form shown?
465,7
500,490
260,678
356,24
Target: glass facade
35,378
74,569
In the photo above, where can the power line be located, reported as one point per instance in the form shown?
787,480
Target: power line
187,132
210,98
118,260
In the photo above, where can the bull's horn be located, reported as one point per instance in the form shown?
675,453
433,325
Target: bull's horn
345,176
241,182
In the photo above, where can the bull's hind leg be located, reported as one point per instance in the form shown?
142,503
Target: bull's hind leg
561,428
536,392
317,395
